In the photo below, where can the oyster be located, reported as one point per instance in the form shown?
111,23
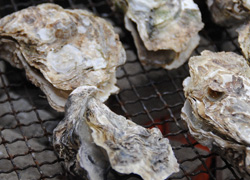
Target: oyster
244,39
91,137
165,31
229,12
217,109
62,49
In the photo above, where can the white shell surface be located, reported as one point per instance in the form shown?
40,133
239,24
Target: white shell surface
69,47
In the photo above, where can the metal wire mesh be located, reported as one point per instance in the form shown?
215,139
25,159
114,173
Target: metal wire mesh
151,97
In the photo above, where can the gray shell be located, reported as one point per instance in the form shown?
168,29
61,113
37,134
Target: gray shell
91,130
62,49
165,31
229,12
217,109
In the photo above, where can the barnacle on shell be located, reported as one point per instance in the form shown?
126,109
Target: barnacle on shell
165,32
91,137
62,49
217,109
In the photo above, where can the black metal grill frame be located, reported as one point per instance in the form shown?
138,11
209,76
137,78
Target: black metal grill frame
150,96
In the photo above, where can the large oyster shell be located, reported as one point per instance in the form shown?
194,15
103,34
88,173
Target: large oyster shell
62,49
91,136
229,12
217,109
244,39
165,31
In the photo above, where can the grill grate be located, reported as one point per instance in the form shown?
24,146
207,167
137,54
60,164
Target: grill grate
151,97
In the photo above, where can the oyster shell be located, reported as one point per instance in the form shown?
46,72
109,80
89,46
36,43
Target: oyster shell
217,109
229,12
92,136
244,39
165,31
62,49
73,141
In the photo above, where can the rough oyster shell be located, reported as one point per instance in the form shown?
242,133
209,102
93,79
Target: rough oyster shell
165,31
62,49
244,39
217,109
229,12
73,141
91,135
